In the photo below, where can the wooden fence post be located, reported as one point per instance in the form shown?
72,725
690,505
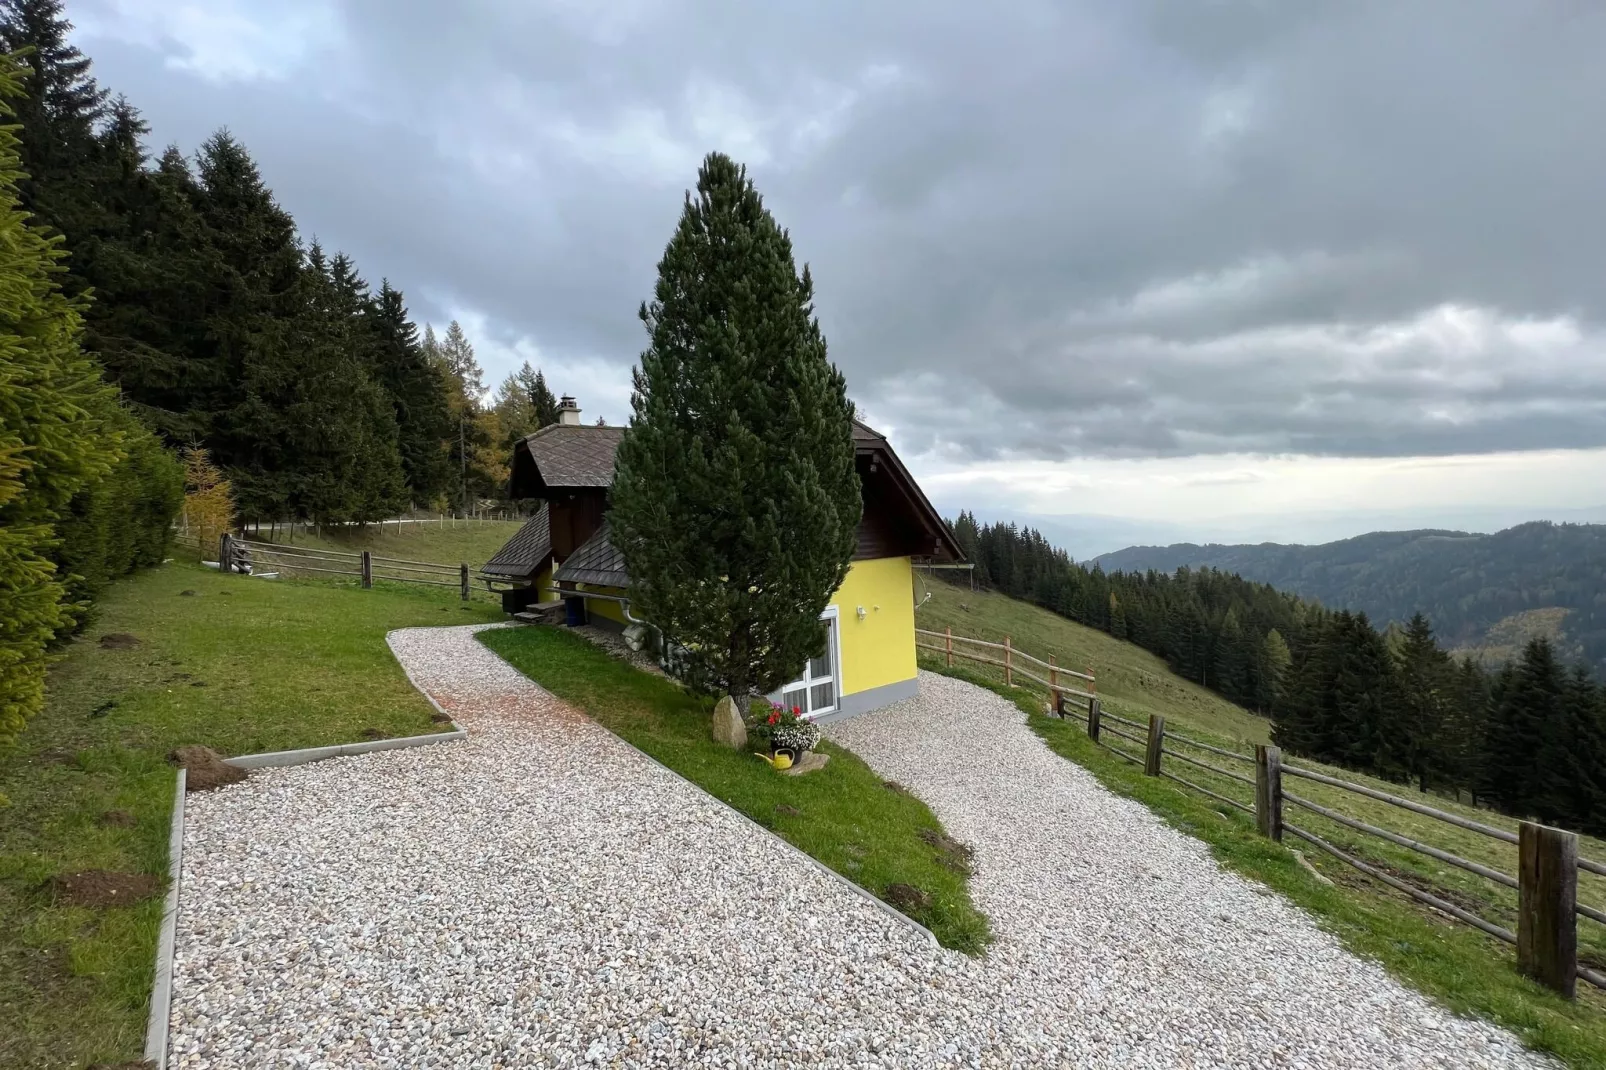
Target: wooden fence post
950,640
1093,719
1547,900
1009,668
462,579
367,568
1151,757
1269,791
1053,672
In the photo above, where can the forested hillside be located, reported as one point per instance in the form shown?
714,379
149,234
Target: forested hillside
157,300
1466,584
1530,738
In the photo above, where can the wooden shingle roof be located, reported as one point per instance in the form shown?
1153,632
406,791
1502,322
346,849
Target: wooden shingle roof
595,561
522,556
574,455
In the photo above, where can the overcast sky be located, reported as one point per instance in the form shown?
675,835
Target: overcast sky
1191,269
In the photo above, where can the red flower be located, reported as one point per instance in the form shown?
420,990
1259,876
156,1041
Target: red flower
796,710
774,717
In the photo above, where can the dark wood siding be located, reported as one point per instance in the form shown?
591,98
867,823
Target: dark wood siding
885,529
576,515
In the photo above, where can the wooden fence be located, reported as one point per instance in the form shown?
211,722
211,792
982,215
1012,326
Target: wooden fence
1011,660
1548,862
248,556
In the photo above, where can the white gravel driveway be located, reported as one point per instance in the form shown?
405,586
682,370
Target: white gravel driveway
541,895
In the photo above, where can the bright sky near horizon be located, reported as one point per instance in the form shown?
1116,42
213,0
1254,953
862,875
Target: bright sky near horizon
1134,270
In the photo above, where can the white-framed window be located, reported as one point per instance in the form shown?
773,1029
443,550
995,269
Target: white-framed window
819,689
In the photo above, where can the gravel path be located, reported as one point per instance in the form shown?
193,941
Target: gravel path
1162,956
542,895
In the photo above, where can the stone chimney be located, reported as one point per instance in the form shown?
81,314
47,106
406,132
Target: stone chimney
568,411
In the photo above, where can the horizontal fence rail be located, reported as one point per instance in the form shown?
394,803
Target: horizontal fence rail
1547,874
238,555
1014,661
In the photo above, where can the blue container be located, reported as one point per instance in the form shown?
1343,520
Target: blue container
574,611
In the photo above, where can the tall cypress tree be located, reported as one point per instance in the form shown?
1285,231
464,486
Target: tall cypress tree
735,500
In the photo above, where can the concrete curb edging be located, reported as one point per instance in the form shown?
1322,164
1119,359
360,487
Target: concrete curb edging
274,759
156,1026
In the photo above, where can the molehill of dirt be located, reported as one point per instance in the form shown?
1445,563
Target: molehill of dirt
103,888
955,855
118,641
906,897
204,768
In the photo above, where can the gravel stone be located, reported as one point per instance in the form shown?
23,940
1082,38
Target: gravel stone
540,895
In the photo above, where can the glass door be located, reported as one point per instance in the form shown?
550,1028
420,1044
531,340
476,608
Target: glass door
815,692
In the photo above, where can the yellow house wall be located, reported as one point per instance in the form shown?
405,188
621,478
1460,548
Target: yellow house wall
543,583
601,607
880,649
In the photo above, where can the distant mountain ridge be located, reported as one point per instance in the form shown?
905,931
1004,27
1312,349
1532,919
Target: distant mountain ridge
1466,583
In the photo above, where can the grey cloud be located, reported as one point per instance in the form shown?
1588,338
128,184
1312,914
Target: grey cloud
1051,229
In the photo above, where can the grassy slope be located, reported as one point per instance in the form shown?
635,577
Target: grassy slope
243,665
1462,967
850,820
471,541
1131,681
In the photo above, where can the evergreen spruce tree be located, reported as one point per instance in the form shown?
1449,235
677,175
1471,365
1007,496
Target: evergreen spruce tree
1275,659
735,501
1419,734
59,115
54,439
543,400
1117,617
252,296
417,389
1526,704
328,432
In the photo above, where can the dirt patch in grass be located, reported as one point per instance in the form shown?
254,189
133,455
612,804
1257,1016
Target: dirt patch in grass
373,733
953,854
118,819
103,888
895,787
1354,878
204,768
789,811
906,897
118,641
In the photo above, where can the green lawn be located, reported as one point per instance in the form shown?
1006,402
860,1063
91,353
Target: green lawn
451,542
240,665
846,816
1131,681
